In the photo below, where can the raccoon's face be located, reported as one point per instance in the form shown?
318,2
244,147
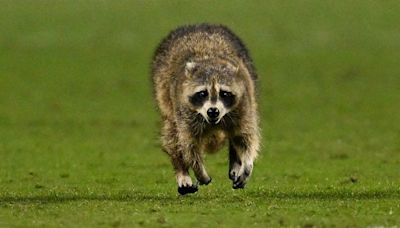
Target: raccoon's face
212,90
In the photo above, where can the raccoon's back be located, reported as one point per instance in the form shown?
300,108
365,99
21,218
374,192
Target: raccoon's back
199,40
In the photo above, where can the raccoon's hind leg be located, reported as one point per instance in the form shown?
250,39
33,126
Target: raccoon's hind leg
211,145
199,169
241,157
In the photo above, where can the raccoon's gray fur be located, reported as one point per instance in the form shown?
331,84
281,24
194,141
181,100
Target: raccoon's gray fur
204,84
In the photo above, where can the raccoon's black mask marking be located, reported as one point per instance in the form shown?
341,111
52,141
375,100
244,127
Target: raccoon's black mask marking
198,98
227,98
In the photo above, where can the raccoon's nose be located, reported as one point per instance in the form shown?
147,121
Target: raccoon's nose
213,113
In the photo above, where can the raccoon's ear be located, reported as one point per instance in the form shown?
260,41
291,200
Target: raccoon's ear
190,68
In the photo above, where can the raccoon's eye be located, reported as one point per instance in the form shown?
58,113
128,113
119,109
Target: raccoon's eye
227,98
224,94
202,94
198,98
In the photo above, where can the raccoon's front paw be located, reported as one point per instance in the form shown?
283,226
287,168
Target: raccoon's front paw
239,174
187,189
185,185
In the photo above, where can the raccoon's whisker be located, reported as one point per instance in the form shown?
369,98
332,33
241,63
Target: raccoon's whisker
223,122
230,117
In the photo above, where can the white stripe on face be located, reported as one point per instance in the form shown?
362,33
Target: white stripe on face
200,88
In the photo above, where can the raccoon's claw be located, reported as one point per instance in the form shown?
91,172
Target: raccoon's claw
239,180
232,176
187,189
238,185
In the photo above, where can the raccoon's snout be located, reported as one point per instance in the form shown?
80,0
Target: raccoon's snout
213,113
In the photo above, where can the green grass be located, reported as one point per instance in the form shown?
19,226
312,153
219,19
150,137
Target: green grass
79,129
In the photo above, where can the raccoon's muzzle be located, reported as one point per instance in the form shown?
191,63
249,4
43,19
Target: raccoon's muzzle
213,114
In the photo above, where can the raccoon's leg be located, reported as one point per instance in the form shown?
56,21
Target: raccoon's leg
183,179
170,146
198,167
242,152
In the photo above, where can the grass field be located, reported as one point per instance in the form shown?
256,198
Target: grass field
79,129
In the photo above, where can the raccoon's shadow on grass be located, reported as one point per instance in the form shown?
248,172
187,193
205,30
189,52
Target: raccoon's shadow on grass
323,195
65,197
336,195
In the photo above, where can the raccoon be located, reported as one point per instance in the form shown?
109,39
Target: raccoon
205,87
